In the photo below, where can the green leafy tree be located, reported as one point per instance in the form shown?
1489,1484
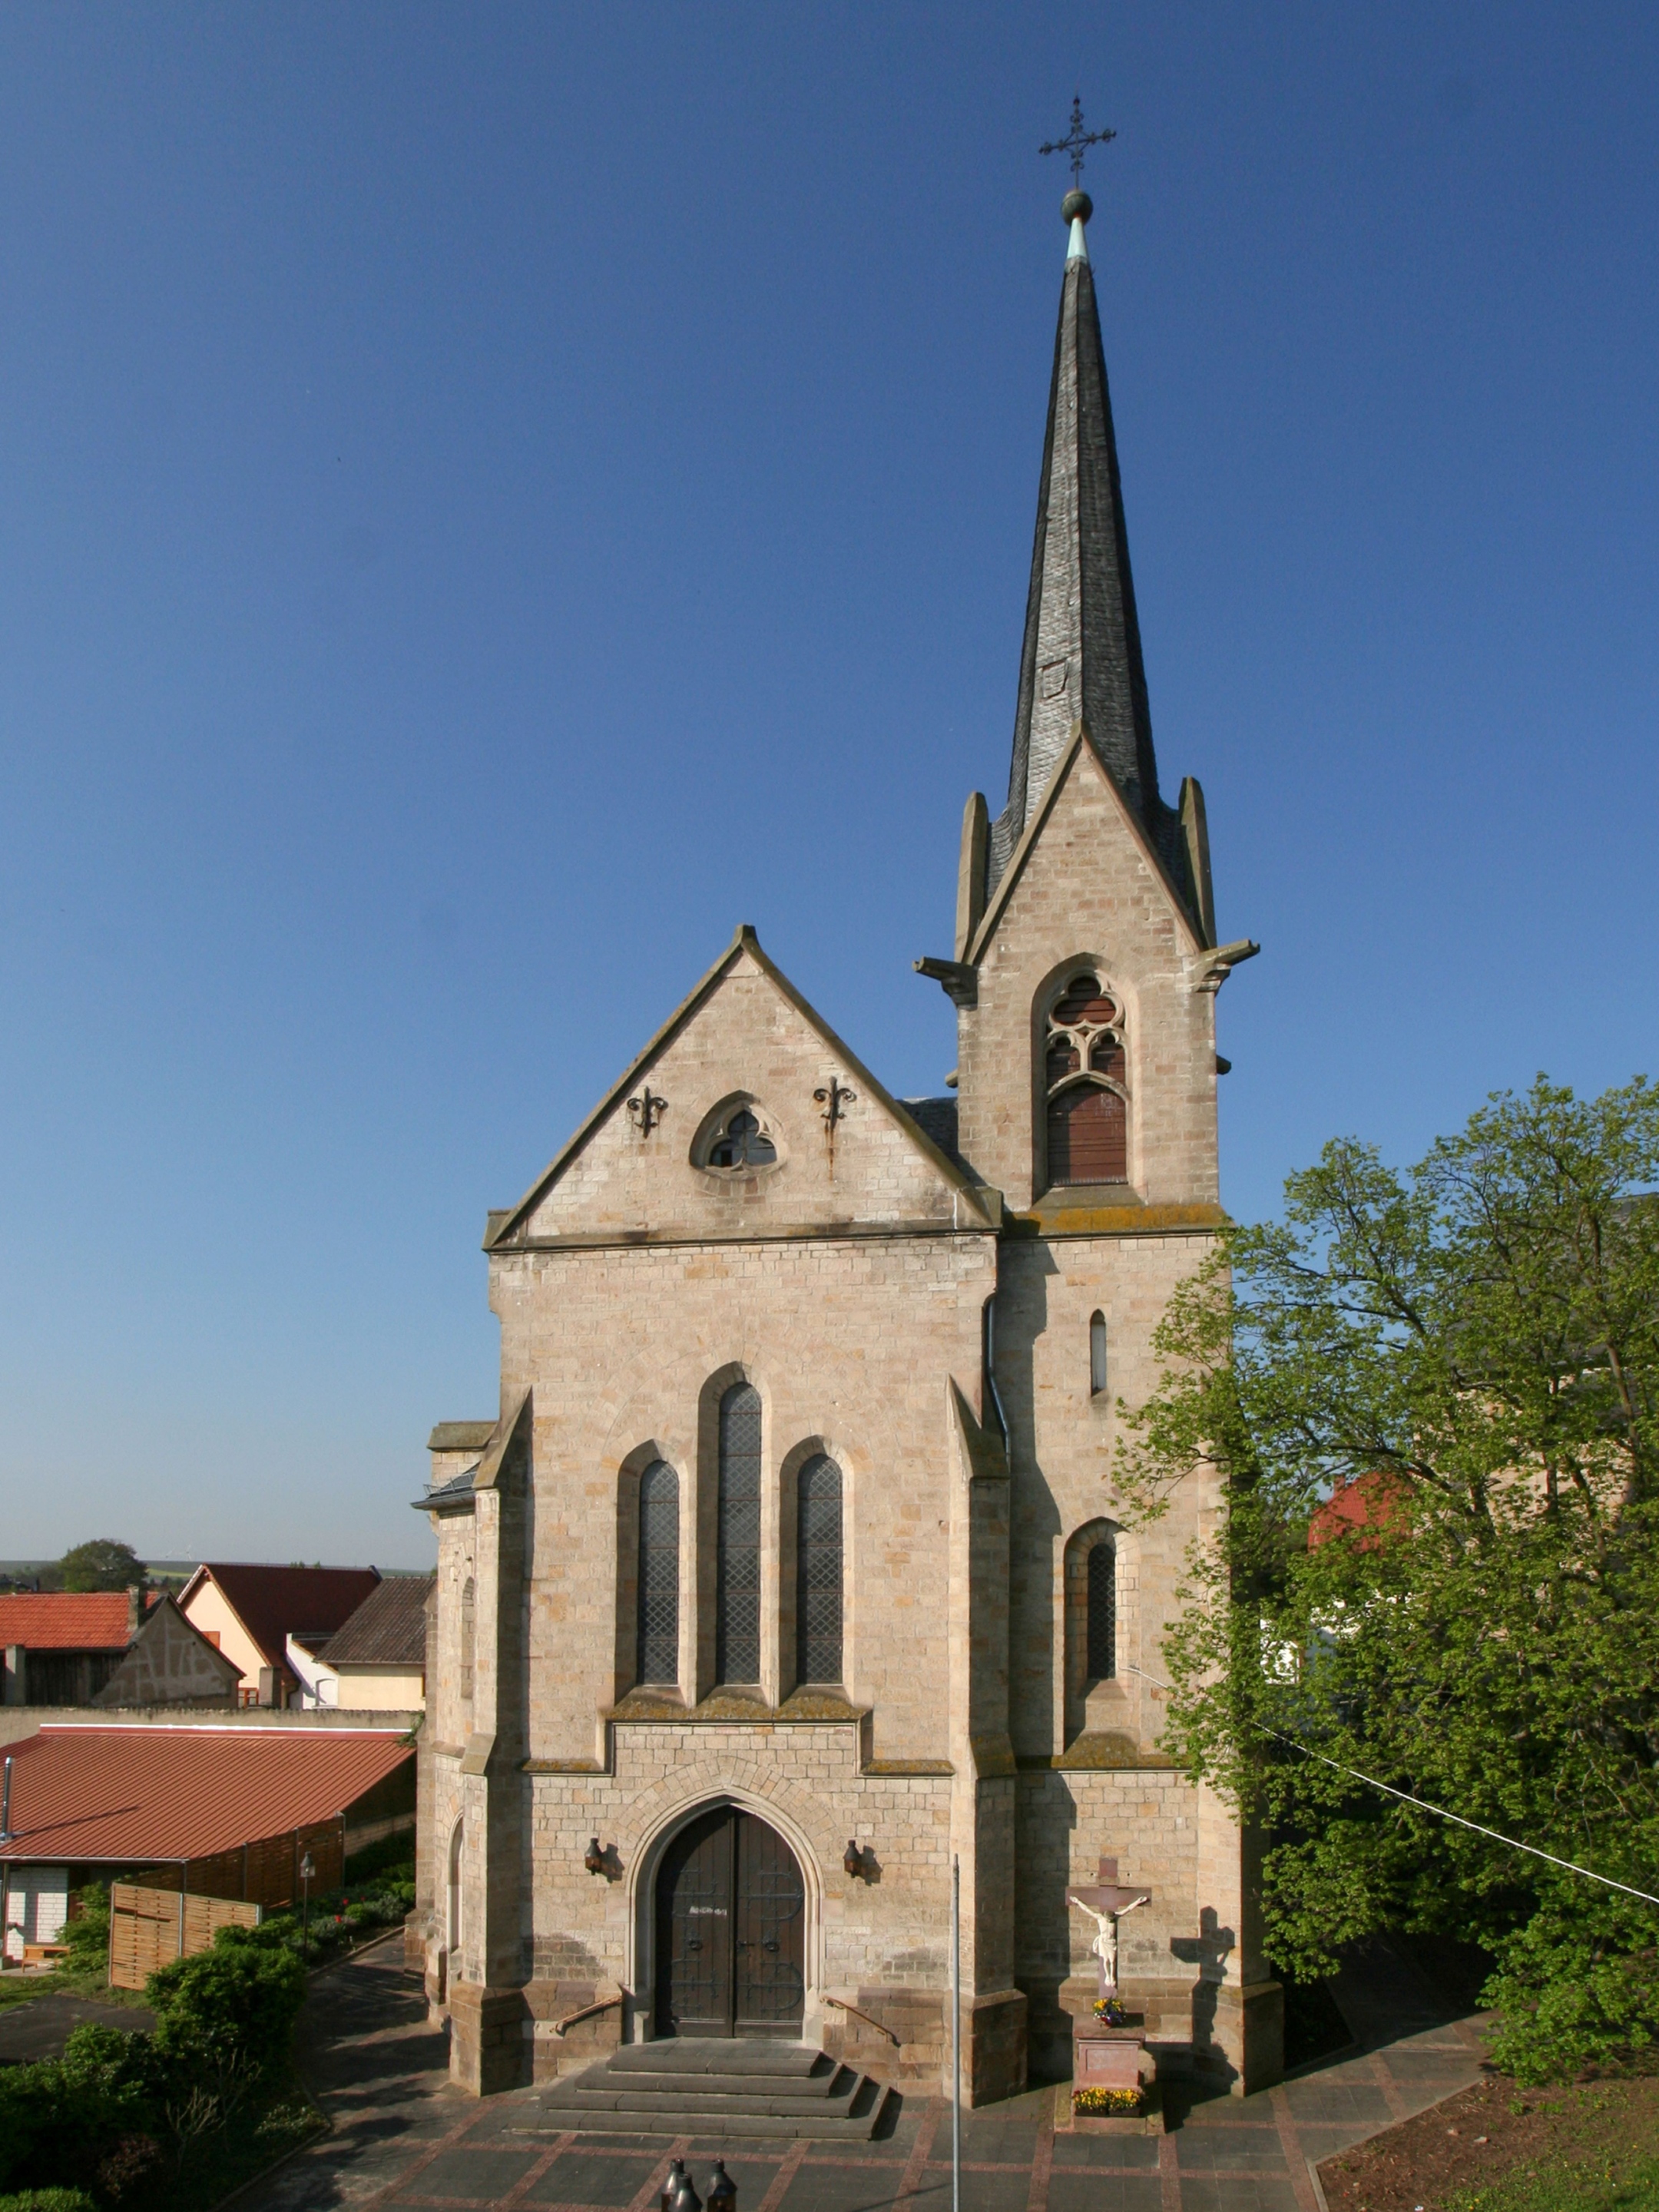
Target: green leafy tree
102,1565
1475,1342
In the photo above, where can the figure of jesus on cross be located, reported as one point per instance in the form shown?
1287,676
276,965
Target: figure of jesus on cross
1105,1903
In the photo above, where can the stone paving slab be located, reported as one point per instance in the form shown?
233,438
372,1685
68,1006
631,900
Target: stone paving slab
403,2138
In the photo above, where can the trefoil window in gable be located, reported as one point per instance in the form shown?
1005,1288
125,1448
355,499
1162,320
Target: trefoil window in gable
739,1142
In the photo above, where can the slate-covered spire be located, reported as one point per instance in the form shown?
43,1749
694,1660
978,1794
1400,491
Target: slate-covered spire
1081,660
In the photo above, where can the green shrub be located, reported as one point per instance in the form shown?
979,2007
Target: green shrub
229,2009
88,1935
1578,1985
59,2118
48,2200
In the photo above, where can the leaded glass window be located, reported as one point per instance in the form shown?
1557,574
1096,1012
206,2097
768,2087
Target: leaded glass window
743,1144
659,1575
737,1558
818,1571
1102,1612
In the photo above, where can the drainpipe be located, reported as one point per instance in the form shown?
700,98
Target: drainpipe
5,1804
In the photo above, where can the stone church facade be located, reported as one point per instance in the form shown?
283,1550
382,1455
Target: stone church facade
791,1572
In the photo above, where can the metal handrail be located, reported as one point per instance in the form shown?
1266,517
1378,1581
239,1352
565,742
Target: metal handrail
880,2029
586,2013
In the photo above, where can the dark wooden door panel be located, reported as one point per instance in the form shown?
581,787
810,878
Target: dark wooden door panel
768,1981
731,1931
693,1929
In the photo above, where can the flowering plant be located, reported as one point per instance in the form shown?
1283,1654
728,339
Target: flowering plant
1123,2101
1109,2013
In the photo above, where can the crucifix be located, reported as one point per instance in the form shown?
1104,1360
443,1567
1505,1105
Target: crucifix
1076,140
1105,1902
645,1110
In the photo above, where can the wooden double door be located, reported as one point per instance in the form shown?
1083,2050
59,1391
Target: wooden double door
731,1931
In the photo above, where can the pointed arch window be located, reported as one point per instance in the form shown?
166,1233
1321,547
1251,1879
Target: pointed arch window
818,1572
1085,1073
468,1639
658,1657
737,1555
1097,1364
1102,1666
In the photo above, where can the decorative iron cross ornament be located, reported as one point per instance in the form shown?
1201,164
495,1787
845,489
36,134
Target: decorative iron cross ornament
646,1111
832,1096
1076,139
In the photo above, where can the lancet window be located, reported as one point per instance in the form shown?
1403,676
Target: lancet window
737,1555
818,1572
1101,1663
657,1658
1085,1073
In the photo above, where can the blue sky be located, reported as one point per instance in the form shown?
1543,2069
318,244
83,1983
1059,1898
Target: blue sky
494,497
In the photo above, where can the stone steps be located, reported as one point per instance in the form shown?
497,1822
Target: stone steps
705,2086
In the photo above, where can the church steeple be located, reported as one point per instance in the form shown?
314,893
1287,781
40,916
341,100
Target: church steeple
1081,660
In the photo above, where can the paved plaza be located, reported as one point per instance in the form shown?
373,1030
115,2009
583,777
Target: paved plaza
403,2136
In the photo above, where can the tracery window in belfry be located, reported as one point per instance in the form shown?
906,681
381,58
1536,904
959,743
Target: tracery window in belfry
658,1656
738,1534
1084,1073
742,1143
818,1552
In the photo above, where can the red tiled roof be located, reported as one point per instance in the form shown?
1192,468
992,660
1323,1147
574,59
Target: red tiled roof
146,1794
1363,1508
273,1603
66,1620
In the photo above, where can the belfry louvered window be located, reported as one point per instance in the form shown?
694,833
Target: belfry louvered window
1085,1072
1102,1612
818,1571
737,1558
658,1659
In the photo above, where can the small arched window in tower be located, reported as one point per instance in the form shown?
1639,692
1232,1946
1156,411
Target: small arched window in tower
1102,1611
742,1144
657,1658
736,1553
818,1571
468,1639
1097,1355
1085,1072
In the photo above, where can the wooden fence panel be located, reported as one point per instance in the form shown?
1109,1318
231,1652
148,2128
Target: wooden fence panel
151,1927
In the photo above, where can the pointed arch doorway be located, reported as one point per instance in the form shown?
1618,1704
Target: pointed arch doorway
731,1930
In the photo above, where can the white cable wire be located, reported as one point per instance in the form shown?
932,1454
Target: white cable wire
1406,1798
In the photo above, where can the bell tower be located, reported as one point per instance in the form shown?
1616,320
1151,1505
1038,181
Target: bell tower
1084,976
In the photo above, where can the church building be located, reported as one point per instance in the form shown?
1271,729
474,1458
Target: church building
791,1574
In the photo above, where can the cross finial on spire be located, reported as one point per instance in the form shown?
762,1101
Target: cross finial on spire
1076,140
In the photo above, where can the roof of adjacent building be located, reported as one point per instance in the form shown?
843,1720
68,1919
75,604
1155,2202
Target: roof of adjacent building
936,1118
143,1794
273,1603
460,1436
456,1492
66,1620
388,1628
